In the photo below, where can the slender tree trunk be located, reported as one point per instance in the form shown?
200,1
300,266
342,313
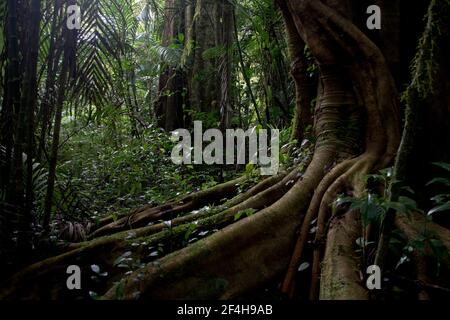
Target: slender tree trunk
14,104
244,72
13,210
61,96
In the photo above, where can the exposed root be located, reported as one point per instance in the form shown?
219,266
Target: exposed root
174,209
241,257
222,215
347,180
348,174
340,267
93,252
416,225
188,203
421,275
288,286
373,89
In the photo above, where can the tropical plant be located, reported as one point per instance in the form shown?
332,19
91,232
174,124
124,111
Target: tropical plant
441,201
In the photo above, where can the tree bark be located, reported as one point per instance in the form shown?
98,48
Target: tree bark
169,106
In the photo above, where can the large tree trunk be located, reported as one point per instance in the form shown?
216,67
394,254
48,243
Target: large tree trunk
29,99
195,86
172,83
12,138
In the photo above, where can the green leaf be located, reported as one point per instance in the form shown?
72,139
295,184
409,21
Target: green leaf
375,177
344,200
249,169
120,291
440,198
396,206
214,52
444,207
418,245
122,258
361,242
443,165
408,189
404,259
410,204
247,212
94,295
439,180
190,230
369,210
258,128
438,248
238,215
387,172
